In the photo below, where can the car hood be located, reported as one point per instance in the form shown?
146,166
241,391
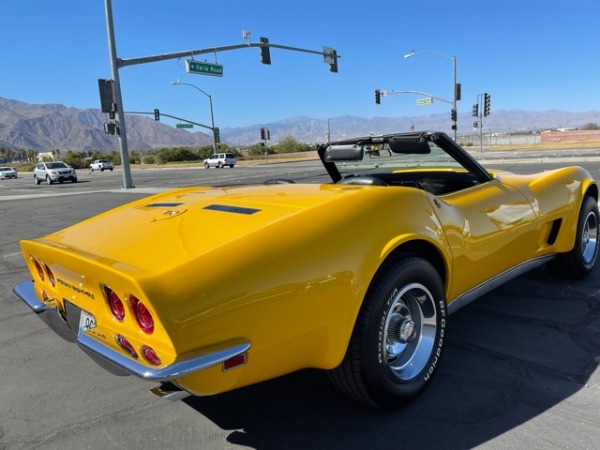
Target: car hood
164,231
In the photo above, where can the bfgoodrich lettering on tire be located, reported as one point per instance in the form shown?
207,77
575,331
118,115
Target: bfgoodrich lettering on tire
397,341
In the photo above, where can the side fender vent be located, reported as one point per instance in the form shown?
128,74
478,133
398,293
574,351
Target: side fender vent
554,231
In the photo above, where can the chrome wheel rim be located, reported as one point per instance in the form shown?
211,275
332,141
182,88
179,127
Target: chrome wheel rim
589,237
409,331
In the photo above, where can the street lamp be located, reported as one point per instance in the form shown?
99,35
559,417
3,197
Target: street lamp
212,117
454,90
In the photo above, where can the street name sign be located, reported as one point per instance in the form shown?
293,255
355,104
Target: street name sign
425,101
204,68
184,125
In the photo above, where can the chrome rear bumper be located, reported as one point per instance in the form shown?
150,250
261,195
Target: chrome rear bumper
118,363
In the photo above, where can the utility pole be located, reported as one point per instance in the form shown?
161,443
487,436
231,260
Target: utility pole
122,132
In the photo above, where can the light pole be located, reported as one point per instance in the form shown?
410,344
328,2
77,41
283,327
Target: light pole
212,117
454,88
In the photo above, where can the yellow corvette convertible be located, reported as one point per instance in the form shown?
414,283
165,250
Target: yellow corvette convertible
204,290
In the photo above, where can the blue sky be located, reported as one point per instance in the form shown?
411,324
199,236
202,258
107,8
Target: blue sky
528,54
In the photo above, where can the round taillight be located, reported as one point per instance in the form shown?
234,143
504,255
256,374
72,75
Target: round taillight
39,268
126,345
115,304
151,356
143,317
50,275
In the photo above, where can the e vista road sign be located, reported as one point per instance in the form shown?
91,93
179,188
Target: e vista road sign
204,68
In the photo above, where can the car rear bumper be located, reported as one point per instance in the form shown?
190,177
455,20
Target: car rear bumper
65,324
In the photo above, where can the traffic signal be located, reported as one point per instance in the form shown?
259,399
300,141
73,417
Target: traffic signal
330,57
217,134
377,96
453,115
486,104
476,110
265,51
263,135
333,67
156,114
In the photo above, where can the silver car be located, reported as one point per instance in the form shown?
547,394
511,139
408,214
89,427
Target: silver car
54,172
7,172
220,160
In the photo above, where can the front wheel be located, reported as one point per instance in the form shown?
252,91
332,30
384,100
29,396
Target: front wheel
580,261
397,340
48,180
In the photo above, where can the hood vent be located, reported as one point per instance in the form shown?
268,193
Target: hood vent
231,209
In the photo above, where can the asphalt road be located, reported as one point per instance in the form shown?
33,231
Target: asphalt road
520,368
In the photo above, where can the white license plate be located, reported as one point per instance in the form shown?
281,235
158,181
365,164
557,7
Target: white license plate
86,321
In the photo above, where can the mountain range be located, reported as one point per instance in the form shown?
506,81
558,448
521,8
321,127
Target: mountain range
53,126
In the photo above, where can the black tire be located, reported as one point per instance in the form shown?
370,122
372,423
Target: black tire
397,340
206,165
220,165
91,169
580,261
111,169
37,180
48,180
101,169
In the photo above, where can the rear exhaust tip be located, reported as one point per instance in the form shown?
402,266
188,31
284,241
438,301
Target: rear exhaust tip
169,391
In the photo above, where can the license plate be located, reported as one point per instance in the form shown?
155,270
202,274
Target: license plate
86,321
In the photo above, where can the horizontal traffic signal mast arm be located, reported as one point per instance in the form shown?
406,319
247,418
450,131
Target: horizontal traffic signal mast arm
172,117
176,55
425,94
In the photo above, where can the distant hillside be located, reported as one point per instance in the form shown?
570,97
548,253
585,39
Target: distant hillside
54,126
48,127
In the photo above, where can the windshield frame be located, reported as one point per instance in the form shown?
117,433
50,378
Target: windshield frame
442,146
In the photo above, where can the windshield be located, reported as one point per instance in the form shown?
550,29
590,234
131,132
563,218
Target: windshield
56,165
379,158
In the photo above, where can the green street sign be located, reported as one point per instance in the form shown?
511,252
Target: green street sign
425,101
204,68
184,125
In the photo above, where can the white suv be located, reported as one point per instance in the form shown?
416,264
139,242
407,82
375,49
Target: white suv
220,160
54,172
101,165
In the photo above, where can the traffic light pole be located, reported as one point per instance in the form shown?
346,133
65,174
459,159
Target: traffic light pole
330,57
120,115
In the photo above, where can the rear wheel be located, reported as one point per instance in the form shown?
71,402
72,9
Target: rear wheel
397,341
220,165
580,261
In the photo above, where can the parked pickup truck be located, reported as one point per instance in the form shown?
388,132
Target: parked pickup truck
101,165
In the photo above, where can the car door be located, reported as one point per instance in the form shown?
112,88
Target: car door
40,171
490,228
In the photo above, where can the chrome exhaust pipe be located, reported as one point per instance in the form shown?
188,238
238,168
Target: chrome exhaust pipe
169,391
